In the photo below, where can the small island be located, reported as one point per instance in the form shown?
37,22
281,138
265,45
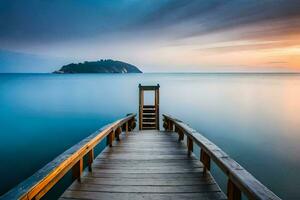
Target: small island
101,66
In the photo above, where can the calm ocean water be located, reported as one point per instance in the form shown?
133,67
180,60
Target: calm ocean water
254,118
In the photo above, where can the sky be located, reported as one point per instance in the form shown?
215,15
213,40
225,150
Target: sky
155,35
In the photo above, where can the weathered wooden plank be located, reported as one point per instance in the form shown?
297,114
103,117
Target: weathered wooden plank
148,145
145,189
144,150
140,157
143,171
137,196
151,134
145,154
99,174
153,142
157,166
148,166
156,160
147,162
148,135
148,181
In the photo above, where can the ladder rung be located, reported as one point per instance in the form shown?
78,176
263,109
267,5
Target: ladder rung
149,123
149,114
149,109
148,106
149,128
149,118
153,121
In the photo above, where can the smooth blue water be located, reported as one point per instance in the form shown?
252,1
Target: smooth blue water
254,118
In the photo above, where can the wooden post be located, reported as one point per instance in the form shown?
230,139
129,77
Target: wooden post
131,125
118,131
141,105
205,159
142,109
117,135
176,129
168,125
90,159
165,124
190,146
157,106
141,102
77,170
233,192
170,128
180,135
110,138
126,128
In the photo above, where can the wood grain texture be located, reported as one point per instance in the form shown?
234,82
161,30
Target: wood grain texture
145,165
240,180
145,196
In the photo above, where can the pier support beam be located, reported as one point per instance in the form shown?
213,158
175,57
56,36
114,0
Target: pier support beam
118,131
205,159
90,159
180,135
110,138
233,193
77,170
190,146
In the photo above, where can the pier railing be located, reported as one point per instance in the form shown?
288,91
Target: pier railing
239,180
36,186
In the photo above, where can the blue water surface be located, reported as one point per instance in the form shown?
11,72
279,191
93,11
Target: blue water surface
254,118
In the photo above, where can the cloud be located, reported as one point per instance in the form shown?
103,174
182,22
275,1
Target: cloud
205,17
146,30
41,21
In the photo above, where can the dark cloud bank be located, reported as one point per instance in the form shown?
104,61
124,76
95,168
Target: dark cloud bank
55,20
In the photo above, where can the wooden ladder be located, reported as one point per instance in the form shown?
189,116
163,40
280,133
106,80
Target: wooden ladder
149,114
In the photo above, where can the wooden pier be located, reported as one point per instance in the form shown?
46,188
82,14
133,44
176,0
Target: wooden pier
144,164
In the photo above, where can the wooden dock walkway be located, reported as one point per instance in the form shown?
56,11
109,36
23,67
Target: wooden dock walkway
146,165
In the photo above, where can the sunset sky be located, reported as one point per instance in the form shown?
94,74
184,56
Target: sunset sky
155,35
